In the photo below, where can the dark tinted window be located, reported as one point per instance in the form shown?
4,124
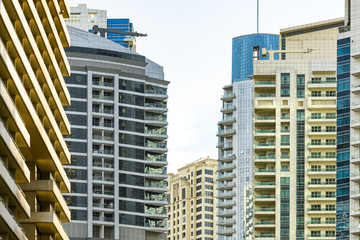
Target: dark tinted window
78,187
131,153
131,126
77,146
78,215
76,201
74,78
77,119
131,86
131,206
76,106
131,193
131,179
77,92
131,220
131,166
131,112
131,139
78,160
78,174
131,99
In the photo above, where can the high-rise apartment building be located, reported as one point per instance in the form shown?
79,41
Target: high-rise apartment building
32,120
295,135
192,203
235,139
118,141
348,154
85,18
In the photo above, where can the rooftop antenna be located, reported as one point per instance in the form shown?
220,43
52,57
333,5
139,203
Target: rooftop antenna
257,16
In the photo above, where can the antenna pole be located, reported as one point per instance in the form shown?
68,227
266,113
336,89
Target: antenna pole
257,16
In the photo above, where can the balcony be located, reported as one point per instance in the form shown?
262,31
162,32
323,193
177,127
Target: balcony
47,222
226,231
225,204
8,223
324,119
103,138
103,84
105,111
265,159
158,121
265,84
355,159
156,226
355,177
226,167
355,194
264,211
159,173
156,160
265,172
103,151
226,109
159,134
264,104
106,206
225,185
264,198
265,145
103,179
227,157
321,236
321,198
322,132
160,186
227,121
226,213
156,107
226,222
321,224
99,97
156,94
327,83
317,172
265,185
264,224
316,158
153,199
265,132
322,145
156,146
267,236
227,96
226,132
262,119
157,213
317,211
226,194
321,184
225,176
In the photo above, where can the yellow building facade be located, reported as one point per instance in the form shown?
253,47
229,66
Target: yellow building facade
192,201
32,119
295,135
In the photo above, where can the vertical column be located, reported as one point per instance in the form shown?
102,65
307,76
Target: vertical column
116,154
300,173
89,153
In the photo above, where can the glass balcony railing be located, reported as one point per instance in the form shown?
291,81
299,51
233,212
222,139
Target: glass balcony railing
105,84
155,105
321,235
105,138
269,170
228,95
155,211
226,184
322,196
264,157
321,143
228,107
159,184
322,130
265,83
156,224
265,196
321,183
265,184
159,131
322,170
155,92
319,156
321,209
265,95
111,98
265,131
269,144
155,171
322,222
265,118
161,118
322,117
156,197
156,158
264,222
155,144
327,80
265,209
265,235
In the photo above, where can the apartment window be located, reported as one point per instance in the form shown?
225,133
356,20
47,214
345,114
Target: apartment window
330,194
198,194
285,84
315,194
208,200
199,201
316,129
331,93
198,180
208,232
330,115
330,181
209,224
316,207
198,209
316,115
315,93
330,129
198,187
198,217
330,142
183,193
316,80
198,224
330,207
209,172
199,172
315,233
207,179
208,193
315,141
208,209
210,187
316,181
208,216
198,232
330,234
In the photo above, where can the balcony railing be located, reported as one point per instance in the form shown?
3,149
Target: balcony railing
156,184
265,131
266,209
105,84
155,105
155,145
156,158
322,170
155,171
265,144
153,211
322,196
270,170
156,197
265,184
265,118
265,82
265,95
110,98
330,80
156,92
264,222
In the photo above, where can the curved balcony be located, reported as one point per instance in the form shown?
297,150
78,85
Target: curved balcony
156,186
226,194
268,145
225,176
225,185
226,109
226,231
228,157
225,204
156,213
159,147
265,159
156,173
156,94
156,160
158,121
158,134
264,224
265,185
226,222
226,213
155,199
226,132
227,96
264,198
157,107
226,167
227,121
156,225
355,194
265,172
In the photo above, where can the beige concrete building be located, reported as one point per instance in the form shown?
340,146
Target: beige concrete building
192,201
295,135
32,119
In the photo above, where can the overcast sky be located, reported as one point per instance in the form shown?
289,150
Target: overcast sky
192,40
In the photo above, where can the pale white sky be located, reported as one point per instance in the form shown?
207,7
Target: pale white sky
192,40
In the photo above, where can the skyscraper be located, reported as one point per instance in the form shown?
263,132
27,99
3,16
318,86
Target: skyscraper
85,18
32,120
118,141
192,201
235,138
348,157
295,135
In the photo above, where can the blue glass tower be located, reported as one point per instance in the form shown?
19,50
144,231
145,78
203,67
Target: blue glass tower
122,24
242,53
